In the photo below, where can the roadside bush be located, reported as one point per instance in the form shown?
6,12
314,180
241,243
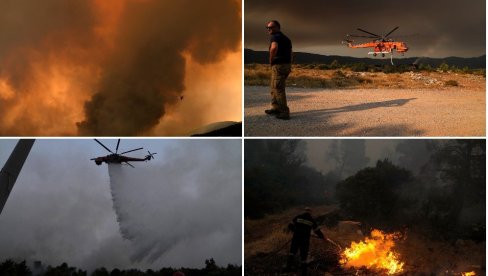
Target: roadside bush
444,67
323,67
359,67
451,83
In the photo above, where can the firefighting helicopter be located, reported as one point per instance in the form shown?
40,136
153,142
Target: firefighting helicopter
381,44
119,157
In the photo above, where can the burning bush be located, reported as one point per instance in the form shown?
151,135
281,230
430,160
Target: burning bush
374,253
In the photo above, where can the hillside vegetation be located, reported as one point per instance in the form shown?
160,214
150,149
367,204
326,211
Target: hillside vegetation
367,76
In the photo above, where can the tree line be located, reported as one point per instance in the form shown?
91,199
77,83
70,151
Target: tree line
12,268
436,186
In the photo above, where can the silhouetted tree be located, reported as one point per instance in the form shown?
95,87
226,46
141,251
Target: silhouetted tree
372,194
210,265
461,165
276,178
100,272
10,268
64,270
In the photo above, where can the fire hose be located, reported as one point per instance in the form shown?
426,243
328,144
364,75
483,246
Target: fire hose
331,241
286,243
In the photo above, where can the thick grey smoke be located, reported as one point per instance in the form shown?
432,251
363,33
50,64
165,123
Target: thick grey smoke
61,208
186,210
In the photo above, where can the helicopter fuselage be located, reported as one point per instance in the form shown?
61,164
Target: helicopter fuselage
117,158
381,47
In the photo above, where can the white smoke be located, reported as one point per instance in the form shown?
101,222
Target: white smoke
185,210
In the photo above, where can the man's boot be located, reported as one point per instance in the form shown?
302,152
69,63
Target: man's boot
271,111
283,116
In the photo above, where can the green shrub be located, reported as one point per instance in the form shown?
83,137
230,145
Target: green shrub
444,67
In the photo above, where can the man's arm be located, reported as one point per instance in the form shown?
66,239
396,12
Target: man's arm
291,226
317,231
273,49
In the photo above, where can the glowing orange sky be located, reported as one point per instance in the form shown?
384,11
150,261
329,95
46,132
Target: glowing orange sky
58,61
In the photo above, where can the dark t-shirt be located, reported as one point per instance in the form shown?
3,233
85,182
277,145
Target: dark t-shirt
283,55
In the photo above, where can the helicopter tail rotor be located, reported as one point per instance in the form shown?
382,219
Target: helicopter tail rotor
150,155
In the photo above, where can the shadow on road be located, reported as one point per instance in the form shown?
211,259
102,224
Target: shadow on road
317,123
357,107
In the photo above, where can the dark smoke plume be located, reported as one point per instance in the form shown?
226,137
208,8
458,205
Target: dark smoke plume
147,71
107,67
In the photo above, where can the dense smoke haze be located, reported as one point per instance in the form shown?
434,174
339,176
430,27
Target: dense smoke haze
166,217
118,67
438,186
430,28
177,210
318,153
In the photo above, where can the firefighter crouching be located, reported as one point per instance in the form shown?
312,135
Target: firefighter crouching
301,226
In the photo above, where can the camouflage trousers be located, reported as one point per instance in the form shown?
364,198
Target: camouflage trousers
279,73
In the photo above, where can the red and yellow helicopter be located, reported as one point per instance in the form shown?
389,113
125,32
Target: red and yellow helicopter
381,44
119,157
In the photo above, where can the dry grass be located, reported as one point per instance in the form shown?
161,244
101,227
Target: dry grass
266,248
312,77
269,234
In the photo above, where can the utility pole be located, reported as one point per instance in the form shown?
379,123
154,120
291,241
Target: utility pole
11,169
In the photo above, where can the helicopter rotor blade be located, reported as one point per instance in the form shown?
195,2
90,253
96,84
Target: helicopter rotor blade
363,36
130,151
406,36
390,32
129,164
117,148
103,145
359,29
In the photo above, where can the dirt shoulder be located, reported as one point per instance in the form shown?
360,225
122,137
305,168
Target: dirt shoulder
428,111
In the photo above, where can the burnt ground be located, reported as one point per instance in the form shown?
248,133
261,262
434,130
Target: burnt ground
267,244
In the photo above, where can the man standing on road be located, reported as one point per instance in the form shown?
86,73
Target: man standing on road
280,52
301,226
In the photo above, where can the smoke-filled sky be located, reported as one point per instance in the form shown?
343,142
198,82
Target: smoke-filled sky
118,67
316,153
177,210
432,28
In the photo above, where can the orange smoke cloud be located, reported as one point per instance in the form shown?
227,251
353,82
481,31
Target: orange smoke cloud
203,101
111,67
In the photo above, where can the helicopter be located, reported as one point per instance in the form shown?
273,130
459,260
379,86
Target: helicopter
381,44
119,157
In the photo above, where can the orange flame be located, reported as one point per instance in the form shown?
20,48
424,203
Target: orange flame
471,273
375,253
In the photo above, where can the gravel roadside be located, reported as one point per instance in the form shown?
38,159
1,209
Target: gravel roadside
369,112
